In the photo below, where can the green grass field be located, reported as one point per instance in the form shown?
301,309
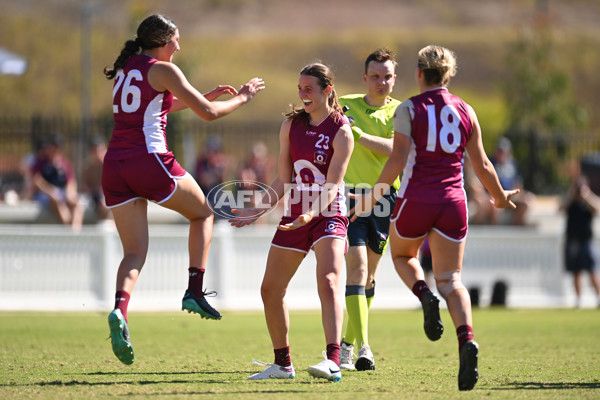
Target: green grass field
524,354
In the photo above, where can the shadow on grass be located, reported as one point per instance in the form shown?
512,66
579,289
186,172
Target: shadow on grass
257,390
75,382
549,386
99,373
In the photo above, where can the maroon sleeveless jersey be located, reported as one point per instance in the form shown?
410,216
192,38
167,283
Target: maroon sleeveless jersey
311,150
441,127
140,112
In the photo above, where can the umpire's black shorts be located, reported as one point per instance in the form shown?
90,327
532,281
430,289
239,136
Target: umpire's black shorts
372,230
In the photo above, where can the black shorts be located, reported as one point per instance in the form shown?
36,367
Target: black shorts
373,230
579,255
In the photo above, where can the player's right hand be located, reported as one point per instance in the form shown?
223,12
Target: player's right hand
362,207
250,89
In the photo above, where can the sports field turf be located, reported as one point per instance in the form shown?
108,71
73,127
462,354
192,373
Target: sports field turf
524,354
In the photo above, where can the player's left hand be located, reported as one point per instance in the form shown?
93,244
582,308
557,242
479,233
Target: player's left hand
297,223
507,202
246,216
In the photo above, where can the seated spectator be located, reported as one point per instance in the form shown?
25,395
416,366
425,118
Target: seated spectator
92,178
508,174
26,167
258,167
211,168
211,165
55,185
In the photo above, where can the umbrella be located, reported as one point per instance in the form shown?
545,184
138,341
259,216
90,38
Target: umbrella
11,63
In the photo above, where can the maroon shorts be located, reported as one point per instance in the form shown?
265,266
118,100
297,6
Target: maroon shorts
413,219
304,238
151,176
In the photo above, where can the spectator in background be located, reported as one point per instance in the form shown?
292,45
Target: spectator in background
92,177
26,167
258,167
211,168
580,206
212,164
54,182
508,174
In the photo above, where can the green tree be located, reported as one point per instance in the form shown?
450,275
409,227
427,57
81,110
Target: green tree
542,111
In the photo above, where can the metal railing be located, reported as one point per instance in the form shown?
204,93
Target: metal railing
53,268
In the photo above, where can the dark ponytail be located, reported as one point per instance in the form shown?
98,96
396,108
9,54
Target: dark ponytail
131,47
155,31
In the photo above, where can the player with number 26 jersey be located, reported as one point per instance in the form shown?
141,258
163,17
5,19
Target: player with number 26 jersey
138,163
140,112
138,166
441,127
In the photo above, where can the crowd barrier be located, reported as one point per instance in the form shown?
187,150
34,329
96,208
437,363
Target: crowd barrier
50,267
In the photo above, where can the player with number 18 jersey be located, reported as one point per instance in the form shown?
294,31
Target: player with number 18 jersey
441,127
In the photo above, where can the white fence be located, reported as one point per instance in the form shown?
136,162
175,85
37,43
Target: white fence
48,267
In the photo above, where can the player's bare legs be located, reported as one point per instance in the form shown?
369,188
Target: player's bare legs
282,264
449,257
404,253
132,224
189,201
447,267
330,261
595,284
131,220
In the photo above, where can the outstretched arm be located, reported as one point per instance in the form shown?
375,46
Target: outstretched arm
167,76
220,90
